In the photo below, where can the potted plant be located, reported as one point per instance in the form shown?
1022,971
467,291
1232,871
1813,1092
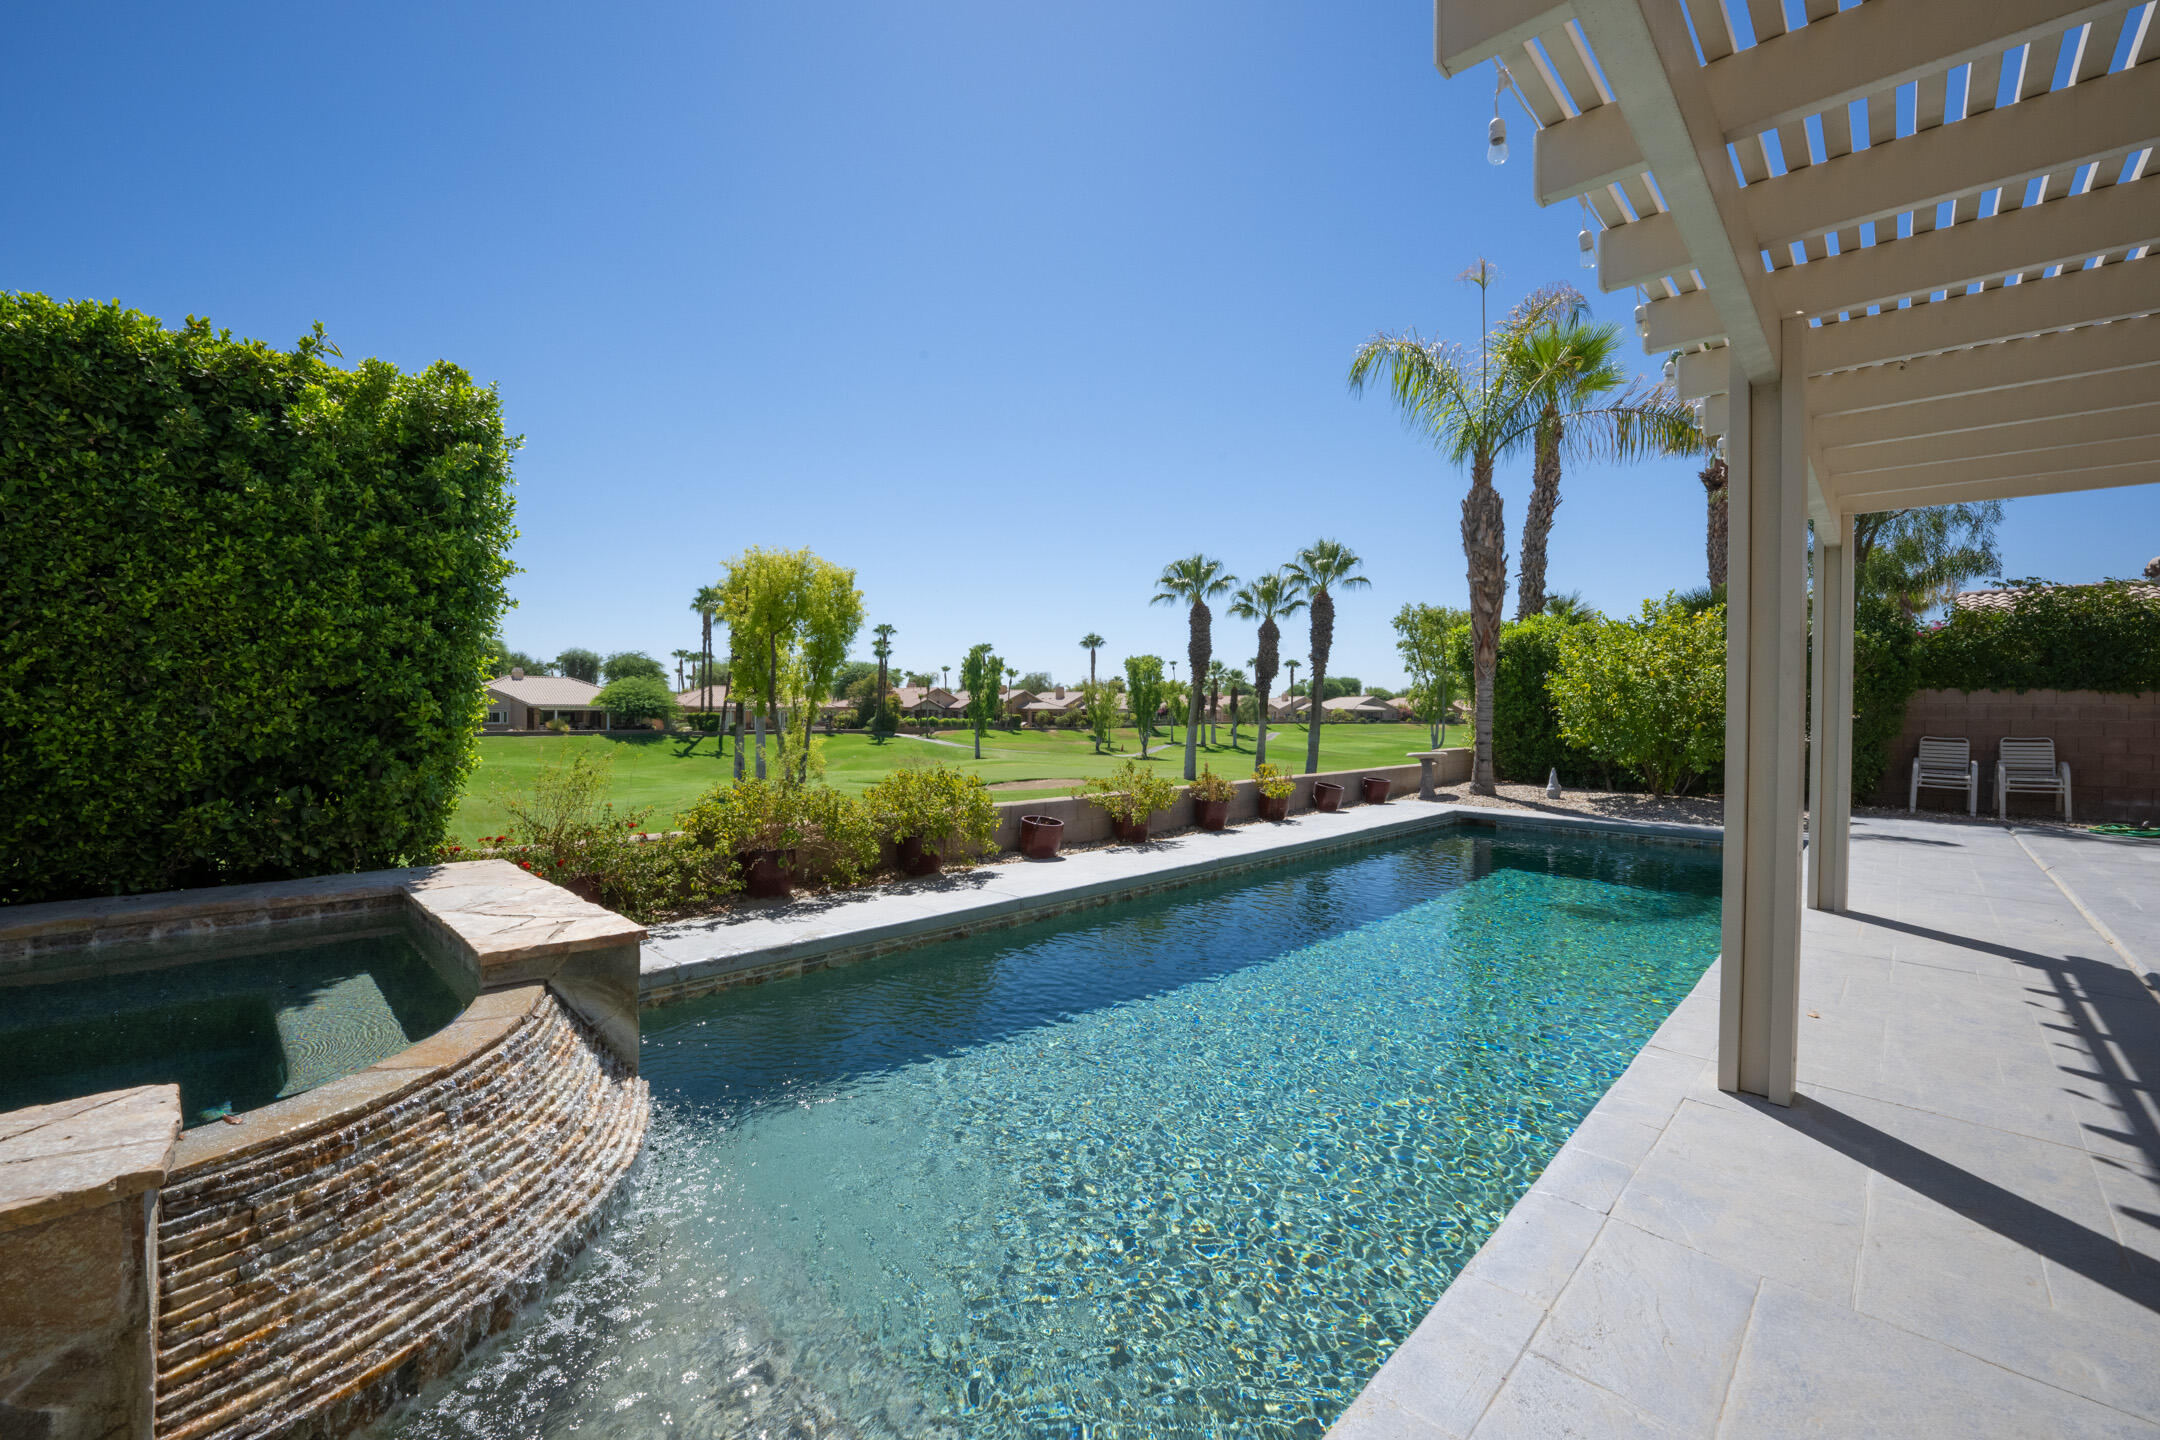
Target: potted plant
765,835
920,806
1275,788
1040,836
1211,797
1129,795
1326,796
1377,789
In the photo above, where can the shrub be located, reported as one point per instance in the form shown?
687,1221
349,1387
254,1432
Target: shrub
637,697
1211,786
249,598
1274,781
1648,694
947,809
1527,741
1883,681
1130,793
2053,637
564,829
825,834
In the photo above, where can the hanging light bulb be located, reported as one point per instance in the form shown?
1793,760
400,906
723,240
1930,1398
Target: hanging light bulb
1496,142
1586,243
1642,320
1720,452
1672,370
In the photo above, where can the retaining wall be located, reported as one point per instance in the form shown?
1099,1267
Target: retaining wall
2110,742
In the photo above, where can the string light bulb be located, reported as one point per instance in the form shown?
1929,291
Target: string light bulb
1672,371
1642,320
1586,244
1496,132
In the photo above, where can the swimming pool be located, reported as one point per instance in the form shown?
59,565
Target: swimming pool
1190,1165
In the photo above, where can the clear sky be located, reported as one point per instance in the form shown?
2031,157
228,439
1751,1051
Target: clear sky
1005,305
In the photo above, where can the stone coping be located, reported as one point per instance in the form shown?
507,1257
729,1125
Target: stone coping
505,916
755,943
83,1153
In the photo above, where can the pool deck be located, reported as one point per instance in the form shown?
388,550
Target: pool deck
770,940
1955,1231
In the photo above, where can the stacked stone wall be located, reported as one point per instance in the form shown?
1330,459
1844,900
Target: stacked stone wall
310,1282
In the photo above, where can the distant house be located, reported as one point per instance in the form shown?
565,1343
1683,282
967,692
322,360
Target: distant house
2006,598
1402,707
519,702
1050,708
703,699
1287,707
1359,707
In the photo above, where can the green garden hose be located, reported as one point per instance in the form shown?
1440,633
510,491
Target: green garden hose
2135,832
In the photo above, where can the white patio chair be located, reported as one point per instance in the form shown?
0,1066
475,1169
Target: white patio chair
2026,765
1945,764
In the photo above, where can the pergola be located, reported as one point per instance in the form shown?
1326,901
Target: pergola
1900,249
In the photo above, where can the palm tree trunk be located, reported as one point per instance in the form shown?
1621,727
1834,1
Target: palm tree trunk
1263,680
1537,524
738,738
1091,667
1484,538
1196,650
1323,640
1713,478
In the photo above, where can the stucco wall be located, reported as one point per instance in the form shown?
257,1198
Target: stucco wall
2111,743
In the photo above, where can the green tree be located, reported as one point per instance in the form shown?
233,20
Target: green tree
1648,694
1191,582
921,679
881,647
681,659
979,676
504,660
1143,694
1215,671
1233,680
1478,406
1101,712
1921,558
579,664
1421,638
706,603
625,663
1268,598
637,698
1320,569
791,618
1036,681
1091,642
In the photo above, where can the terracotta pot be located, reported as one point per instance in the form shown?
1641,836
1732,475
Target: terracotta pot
1040,836
1274,807
767,874
1131,832
1377,789
1212,814
1327,797
914,860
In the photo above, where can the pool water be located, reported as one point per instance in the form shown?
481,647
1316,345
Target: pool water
233,1029
1187,1166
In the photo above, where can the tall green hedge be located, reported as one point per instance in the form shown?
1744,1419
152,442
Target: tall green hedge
2053,637
1882,684
249,596
1527,743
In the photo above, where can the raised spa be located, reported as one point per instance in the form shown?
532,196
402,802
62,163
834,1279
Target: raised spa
1190,1165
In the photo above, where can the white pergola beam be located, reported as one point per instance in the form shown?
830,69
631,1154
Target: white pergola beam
1996,409
2054,131
1690,319
2068,355
1873,49
1961,490
2116,217
1868,467
1587,153
1650,59
1630,255
2083,297
2038,472
1702,372
1465,35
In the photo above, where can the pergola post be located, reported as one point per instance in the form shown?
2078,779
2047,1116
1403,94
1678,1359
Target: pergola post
1766,618
1830,720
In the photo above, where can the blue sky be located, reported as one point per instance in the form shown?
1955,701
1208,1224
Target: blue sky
1003,305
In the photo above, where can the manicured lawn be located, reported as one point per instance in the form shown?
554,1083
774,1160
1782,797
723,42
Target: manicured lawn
668,772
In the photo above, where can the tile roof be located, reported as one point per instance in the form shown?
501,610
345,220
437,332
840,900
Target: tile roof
544,690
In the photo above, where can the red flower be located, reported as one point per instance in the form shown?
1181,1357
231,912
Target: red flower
526,863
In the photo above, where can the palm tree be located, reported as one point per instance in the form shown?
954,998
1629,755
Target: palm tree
1234,682
1291,666
1214,702
682,658
1713,476
707,604
1268,597
882,648
1477,406
1091,642
1320,567
1191,582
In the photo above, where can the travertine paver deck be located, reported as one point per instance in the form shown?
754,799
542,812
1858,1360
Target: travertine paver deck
1954,1232
762,941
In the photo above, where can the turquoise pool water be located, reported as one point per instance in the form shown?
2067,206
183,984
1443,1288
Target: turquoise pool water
1189,1166
234,1025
